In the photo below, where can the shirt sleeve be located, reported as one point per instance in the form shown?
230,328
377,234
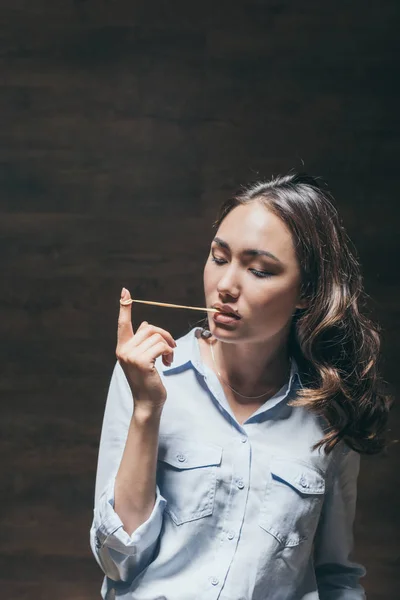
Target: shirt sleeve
121,556
337,576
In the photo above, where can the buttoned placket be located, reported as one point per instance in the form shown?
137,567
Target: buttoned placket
229,537
234,519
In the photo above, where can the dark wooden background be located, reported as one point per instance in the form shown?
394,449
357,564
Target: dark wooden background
123,125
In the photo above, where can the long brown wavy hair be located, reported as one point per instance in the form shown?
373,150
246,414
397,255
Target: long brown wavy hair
335,345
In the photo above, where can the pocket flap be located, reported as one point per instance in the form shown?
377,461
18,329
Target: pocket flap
304,478
187,454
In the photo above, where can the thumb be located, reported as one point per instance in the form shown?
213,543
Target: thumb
125,329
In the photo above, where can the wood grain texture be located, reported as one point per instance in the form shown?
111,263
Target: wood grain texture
123,125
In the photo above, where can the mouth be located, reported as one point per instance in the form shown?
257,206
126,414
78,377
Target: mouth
221,318
229,314
224,314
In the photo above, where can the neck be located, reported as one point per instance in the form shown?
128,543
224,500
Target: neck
253,368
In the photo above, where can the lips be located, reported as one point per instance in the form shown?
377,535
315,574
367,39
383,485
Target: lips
227,310
225,319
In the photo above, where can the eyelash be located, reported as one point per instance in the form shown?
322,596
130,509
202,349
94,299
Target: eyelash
256,272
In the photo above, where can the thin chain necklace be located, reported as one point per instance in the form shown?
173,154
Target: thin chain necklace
229,386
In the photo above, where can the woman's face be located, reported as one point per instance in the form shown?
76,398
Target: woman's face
253,267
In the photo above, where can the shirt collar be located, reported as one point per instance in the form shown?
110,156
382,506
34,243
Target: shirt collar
187,354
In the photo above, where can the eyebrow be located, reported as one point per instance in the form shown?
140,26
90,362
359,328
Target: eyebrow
248,251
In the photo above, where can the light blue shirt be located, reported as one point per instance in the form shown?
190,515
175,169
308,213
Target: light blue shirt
242,512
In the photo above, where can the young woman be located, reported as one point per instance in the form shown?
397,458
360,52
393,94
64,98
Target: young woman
228,460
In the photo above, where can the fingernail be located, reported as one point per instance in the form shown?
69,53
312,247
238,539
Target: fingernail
123,293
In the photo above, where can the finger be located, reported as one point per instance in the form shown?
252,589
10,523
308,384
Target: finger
125,329
167,361
152,341
159,349
137,354
144,332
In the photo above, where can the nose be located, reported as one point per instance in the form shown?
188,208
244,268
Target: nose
228,285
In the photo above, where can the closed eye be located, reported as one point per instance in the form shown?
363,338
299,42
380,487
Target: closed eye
262,274
256,272
219,261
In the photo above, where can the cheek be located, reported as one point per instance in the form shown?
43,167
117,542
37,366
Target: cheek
281,297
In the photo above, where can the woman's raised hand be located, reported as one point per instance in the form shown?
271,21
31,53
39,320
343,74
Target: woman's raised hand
137,353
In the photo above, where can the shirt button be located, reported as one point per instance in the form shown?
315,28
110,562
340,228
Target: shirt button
231,535
240,484
215,581
243,440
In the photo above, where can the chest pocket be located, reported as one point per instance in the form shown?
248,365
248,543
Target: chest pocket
187,477
292,501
